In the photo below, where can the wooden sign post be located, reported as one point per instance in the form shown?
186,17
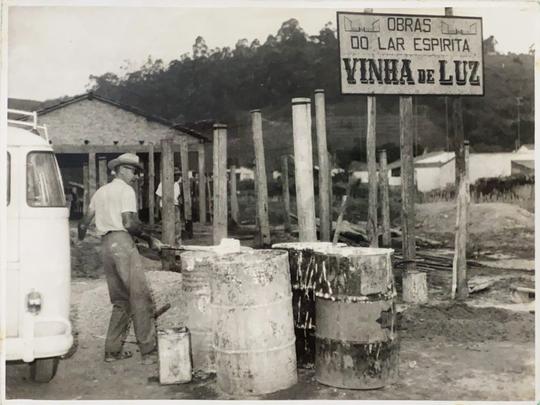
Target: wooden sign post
303,169
324,180
460,289
220,183
385,201
414,282
411,55
260,178
371,153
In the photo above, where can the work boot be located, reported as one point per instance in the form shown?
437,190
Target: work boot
150,358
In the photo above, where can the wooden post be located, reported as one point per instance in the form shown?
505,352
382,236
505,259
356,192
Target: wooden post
186,186
303,169
86,194
285,191
210,197
220,183
385,203
234,196
140,187
202,184
371,146
168,219
459,138
102,169
260,178
330,189
92,174
322,149
448,11
412,281
151,185
460,287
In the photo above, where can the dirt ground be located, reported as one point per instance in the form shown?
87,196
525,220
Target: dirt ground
482,349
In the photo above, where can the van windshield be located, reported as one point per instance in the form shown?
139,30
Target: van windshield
43,184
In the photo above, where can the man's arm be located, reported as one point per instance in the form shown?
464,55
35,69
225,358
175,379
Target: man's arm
85,222
133,225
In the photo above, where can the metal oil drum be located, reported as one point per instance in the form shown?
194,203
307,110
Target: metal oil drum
357,345
253,334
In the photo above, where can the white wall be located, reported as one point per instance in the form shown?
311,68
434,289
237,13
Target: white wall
427,178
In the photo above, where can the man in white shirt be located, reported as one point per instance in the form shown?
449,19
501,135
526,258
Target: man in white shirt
178,203
114,207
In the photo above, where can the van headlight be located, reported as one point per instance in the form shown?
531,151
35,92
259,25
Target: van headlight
33,302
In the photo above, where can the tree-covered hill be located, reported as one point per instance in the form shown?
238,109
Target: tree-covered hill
225,84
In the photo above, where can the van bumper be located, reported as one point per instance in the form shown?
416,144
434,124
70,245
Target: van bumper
40,337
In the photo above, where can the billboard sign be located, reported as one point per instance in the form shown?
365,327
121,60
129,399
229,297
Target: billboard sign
410,54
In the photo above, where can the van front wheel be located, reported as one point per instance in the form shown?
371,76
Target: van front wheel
44,370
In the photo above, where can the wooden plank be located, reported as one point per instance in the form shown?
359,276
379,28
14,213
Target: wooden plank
324,180
220,183
285,191
151,185
234,196
303,167
371,146
407,182
202,183
102,171
260,178
385,201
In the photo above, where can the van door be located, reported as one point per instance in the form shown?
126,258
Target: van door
13,299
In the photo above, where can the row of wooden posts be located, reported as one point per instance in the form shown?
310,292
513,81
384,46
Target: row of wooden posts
303,173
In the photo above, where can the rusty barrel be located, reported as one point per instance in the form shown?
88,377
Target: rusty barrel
196,271
357,345
253,335
305,276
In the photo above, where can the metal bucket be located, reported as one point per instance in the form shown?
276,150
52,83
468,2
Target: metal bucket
174,355
253,326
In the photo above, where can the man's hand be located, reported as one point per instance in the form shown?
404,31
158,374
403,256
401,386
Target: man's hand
81,230
156,244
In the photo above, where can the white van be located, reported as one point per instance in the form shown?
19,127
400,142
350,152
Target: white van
38,330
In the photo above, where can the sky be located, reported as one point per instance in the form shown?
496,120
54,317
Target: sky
52,51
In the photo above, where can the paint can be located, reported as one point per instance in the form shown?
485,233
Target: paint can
174,355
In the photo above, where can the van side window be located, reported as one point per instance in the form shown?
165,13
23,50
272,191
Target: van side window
43,183
8,179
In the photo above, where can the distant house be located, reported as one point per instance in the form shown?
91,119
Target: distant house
88,130
359,171
244,173
436,170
